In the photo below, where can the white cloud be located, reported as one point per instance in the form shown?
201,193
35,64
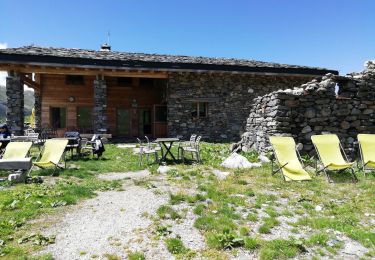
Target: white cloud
3,45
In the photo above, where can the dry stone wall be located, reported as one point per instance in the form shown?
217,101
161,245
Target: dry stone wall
335,104
15,103
229,98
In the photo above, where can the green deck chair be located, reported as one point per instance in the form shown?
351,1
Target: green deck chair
17,150
286,155
367,150
51,154
331,153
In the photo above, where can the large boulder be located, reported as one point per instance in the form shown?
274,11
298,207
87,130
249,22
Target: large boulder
236,161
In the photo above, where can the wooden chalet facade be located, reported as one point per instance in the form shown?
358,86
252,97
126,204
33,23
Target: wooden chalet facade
133,94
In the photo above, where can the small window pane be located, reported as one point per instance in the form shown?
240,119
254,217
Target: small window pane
202,109
58,117
194,110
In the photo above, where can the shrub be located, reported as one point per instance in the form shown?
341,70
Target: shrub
224,240
136,256
175,246
251,243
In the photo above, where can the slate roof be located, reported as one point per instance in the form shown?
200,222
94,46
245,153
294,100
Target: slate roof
36,54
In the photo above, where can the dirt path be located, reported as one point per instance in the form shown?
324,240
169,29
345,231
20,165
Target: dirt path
112,223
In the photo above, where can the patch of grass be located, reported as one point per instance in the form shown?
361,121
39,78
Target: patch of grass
211,222
287,213
278,249
271,212
112,257
244,231
251,243
318,239
162,231
175,246
264,198
167,212
344,224
136,256
177,198
199,209
227,239
268,224
252,217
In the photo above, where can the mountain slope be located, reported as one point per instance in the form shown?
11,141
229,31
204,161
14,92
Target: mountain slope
29,102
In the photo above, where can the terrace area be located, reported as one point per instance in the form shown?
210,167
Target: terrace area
114,208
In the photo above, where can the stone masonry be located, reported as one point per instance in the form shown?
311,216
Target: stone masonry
341,105
15,102
229,98
100,106
38,109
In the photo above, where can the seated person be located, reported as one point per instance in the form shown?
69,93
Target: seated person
4,134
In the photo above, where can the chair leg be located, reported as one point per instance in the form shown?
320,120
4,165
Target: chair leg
140,159
328,178
156,156
354,176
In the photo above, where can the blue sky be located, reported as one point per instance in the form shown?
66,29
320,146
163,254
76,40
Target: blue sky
336,34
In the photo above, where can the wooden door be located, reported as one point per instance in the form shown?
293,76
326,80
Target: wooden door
145,122
123,122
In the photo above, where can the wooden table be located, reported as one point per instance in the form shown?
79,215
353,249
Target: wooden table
167,144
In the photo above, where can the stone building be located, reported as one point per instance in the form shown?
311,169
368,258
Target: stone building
343,105
136,94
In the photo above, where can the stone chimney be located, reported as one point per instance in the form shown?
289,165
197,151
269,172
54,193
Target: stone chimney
105,47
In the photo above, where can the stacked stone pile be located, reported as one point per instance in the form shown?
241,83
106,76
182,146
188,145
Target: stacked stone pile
315,108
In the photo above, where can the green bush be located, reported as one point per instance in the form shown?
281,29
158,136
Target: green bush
136,256
175,246
224,240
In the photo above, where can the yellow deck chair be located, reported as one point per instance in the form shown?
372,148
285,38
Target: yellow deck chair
331,153
17,150
14,156
286,155
367,150
51,154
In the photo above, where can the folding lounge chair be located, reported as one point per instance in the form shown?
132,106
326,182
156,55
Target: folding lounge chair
14,157
329,150
287,158
51,154
367,150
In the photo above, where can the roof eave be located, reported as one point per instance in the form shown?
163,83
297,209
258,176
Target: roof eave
163,66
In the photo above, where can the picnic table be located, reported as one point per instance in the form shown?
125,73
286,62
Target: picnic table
167,144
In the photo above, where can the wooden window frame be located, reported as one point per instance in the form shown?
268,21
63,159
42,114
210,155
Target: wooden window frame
198,104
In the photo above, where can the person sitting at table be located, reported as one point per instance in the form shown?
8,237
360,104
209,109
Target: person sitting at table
4,134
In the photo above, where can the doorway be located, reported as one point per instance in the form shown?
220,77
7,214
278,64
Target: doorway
145,122
123,121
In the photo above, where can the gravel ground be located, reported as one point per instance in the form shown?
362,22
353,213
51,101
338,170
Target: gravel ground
111,223
117,222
